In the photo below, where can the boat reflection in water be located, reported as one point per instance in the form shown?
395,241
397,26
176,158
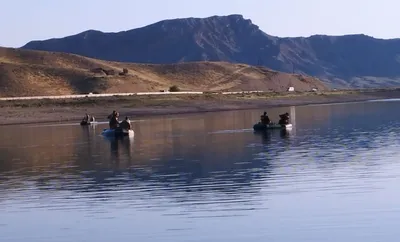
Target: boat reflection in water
215,158
206,176
116,143
267,135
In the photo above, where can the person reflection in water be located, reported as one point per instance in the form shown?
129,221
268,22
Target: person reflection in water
284,134
266,137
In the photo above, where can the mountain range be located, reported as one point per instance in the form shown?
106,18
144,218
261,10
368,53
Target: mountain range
349,61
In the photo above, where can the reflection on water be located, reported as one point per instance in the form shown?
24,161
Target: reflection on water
206,177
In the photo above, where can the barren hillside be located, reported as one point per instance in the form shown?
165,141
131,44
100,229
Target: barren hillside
27,72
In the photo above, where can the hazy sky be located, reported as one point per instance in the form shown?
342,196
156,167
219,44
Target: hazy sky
25,20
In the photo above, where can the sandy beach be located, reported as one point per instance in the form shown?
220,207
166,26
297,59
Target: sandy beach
68,110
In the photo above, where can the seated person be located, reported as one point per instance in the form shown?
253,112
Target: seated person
112,114
284,118
85,118
265,119
126,124
113,122
92,119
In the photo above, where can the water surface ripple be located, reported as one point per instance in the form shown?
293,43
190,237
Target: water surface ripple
207,177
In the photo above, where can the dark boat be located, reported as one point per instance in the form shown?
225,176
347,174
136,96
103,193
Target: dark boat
260,126
83,122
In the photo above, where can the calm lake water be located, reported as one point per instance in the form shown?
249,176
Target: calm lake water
207,177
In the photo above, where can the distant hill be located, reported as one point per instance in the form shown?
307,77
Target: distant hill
26,73
341,61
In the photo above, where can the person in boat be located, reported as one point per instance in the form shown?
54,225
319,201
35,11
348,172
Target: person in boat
284,118
85,118
112,114
114,123
265,119
92,119
126,124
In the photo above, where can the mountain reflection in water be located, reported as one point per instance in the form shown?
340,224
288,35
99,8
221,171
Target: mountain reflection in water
209,174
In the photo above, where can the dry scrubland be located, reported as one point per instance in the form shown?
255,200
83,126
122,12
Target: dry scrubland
31,73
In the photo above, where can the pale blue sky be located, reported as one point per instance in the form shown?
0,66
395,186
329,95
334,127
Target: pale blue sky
25,20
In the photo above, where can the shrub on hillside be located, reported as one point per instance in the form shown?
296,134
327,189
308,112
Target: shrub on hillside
174,88
124,72
109,72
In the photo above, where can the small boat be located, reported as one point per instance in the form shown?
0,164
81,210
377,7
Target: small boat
83,123
260,126
117,132
88,123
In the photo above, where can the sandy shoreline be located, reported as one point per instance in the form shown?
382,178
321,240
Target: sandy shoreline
56,111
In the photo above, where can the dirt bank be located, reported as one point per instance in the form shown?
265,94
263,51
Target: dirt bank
43,111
